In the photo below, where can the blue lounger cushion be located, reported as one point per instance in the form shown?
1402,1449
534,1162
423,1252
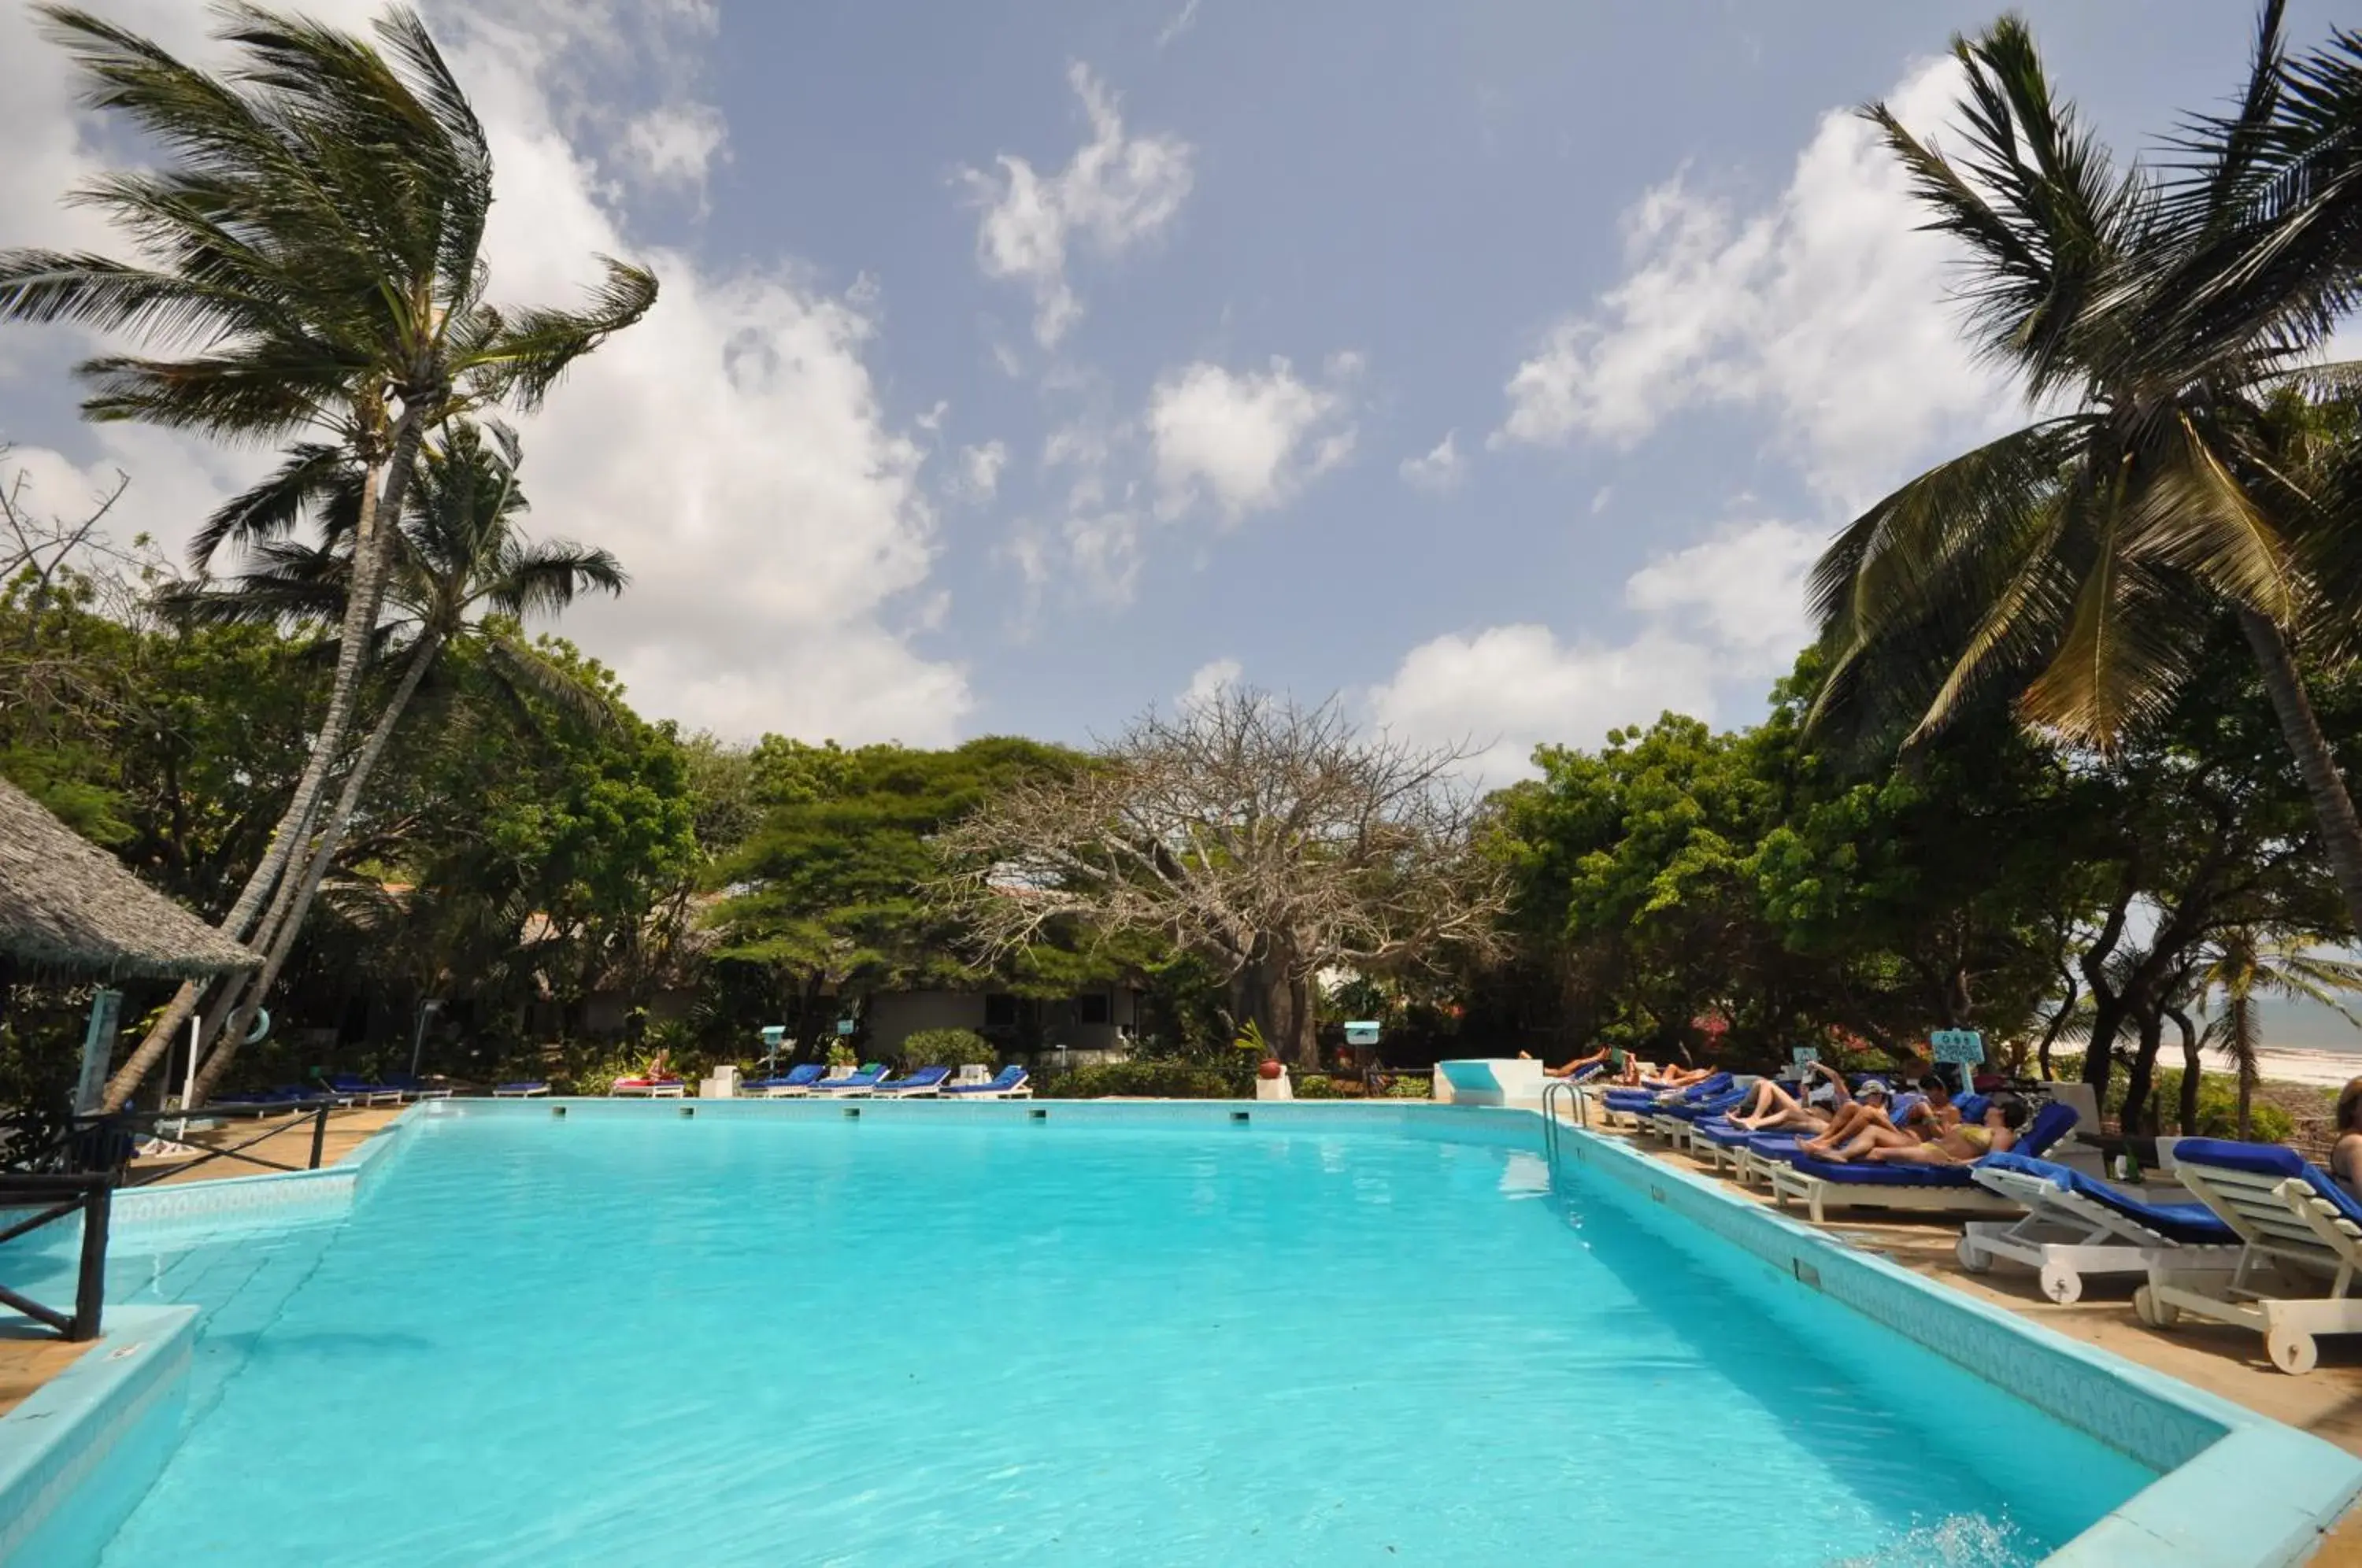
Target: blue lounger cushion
794,1077
1010,1079
2052,1123
2194,1223
2269,1160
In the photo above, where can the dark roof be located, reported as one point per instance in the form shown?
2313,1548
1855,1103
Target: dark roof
66,904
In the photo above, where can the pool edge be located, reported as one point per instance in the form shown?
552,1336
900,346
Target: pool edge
53,1444
2291,1486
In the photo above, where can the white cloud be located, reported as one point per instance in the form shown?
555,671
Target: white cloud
675,144
1727,613
1506,689
1117,191
1245,442
979,475
1181,21
1829,309
731,448
1440,469
1210,680
1744,589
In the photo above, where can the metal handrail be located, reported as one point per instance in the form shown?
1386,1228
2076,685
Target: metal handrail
1581,1104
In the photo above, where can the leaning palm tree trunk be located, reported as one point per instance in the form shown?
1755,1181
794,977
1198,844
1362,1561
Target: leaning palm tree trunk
370,560
2332,806
306,879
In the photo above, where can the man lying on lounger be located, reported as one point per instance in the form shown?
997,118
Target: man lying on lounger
1769,1106
1959,1145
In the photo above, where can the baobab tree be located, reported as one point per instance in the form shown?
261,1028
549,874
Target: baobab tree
1267,837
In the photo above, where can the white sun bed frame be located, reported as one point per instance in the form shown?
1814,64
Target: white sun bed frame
1818,1195
2280,1221
2064,1235
622,1090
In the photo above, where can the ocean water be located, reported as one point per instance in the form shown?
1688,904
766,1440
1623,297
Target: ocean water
749,1340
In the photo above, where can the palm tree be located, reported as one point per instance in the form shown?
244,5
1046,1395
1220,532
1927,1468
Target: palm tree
2078,562
2246,963
308,262
457,558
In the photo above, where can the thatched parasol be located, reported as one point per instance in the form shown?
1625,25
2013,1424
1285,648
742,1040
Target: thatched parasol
66,904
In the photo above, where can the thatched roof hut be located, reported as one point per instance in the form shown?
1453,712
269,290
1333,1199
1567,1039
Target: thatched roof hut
67,905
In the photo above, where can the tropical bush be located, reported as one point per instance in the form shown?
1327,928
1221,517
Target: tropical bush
1420,1088
2218,1110
1160,1080
947,1048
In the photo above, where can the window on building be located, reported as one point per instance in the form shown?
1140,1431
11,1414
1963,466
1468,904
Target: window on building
1091,1007
1000,1012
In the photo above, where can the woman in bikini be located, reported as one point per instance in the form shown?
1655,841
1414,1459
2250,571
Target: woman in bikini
1959,1145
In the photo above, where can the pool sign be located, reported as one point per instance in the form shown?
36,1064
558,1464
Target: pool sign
844,1026
1964,1047
1804,1057
1363,1031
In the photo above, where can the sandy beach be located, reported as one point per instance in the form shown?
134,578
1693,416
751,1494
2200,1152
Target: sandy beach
2327,1069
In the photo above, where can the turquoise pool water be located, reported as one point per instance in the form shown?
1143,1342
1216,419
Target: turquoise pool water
770,1340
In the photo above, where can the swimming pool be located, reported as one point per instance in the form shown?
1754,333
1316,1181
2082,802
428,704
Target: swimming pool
784,1335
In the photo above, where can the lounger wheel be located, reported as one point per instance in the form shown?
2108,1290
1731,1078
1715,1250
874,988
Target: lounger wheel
2063,1286
1974,1258
2293,1352
2154,1313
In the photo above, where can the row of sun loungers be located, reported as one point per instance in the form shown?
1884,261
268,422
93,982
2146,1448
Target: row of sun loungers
2271,1242
873,1082
810,1081
333,1088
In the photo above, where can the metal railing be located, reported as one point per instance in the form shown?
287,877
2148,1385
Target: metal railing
1580,1103
90,1194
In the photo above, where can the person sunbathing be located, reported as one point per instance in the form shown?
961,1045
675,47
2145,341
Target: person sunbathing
1932,1114
1768,1106
2345,1154
1870,1107
1606,1053
1957,1145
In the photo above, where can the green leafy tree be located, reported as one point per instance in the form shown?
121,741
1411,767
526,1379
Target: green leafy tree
2079,562
308,261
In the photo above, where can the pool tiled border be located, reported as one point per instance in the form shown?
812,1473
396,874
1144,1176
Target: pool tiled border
54,1443
2289,1487
2238,1490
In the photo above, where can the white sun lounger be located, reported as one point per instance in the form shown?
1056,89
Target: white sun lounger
2286,1213
2074,1226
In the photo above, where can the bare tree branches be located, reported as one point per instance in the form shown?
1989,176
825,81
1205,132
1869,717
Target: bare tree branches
1268,837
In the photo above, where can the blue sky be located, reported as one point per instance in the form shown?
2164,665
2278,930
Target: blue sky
1497,367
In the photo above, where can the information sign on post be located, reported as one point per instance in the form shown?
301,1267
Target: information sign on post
1962,1047
1803,1055
844,1026
1362,1032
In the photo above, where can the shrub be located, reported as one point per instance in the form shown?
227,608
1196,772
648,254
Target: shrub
947,1048
1159,1080
2218,1110
1317,1085
1420,1088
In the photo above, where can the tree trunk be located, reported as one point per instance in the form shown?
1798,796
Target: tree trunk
2333,807
2240,1022
307,880
343,690
2133,1118
2057,1026
2193,1074
2099,1054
